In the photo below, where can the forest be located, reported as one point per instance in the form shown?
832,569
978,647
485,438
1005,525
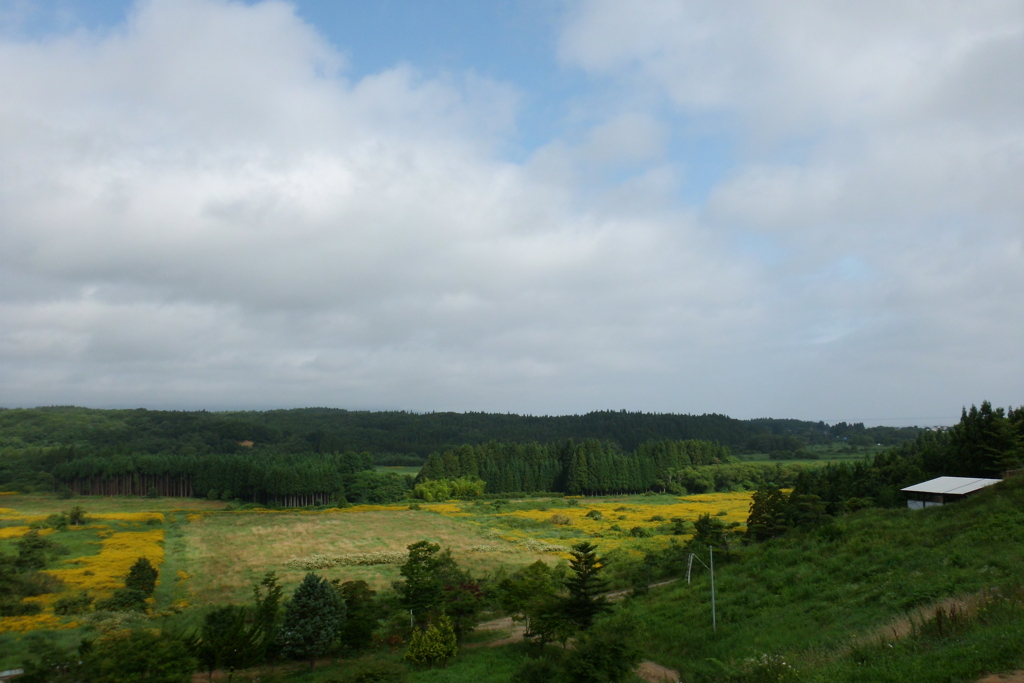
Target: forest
318,456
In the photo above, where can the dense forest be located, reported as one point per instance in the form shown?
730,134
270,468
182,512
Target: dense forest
590,468
318,456
327,430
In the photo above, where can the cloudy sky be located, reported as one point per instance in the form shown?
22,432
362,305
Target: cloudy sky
800,209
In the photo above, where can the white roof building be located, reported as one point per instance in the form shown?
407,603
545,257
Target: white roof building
943,490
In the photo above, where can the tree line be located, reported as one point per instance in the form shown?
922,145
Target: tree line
397,434
588,468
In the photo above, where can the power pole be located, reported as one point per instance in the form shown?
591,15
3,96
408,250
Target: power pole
714,621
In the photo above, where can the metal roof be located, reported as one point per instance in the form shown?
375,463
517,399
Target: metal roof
952,485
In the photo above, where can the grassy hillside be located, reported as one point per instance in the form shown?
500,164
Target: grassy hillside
835,602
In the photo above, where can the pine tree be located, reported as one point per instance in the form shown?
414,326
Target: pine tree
436,644
312,620
142,576
585,600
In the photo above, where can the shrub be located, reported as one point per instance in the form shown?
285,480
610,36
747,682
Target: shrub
40,583
57,521
659,518
639,532
595,515
436,645
536,671
76,516
560,520
73,604
369,670
152,492
17,608
124,600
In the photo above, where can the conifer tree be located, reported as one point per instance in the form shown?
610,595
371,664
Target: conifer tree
312,620
585,600
142,576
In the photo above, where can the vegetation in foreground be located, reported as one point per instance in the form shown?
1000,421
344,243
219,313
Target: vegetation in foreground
820,584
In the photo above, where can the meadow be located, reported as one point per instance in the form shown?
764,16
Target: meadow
857,599
208,552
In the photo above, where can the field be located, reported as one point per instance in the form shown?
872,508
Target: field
854,600
208,553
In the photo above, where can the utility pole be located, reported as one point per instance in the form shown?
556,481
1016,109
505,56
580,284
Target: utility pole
689,567
714,621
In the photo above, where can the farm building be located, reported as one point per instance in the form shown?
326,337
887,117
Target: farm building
942,490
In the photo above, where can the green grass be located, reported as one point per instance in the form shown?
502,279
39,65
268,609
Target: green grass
384,469
810,595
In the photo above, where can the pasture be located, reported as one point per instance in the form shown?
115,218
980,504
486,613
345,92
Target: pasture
209,553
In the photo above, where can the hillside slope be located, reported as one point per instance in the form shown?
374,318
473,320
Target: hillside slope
834,602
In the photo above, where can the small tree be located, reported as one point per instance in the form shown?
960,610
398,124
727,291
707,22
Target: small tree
266,613
427,572
585,600
312,620
357,633
226,640
76,516
607,653
142,576
437,644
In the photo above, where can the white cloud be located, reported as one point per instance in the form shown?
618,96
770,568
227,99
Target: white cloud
202,208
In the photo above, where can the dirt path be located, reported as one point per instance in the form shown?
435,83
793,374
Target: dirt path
1008,677
652,672
656,673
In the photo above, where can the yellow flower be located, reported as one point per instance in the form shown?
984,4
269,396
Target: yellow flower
103,573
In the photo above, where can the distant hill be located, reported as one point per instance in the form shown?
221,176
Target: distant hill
328,430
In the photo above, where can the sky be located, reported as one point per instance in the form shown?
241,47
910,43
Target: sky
804,210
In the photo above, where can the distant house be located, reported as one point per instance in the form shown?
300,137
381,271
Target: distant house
943,490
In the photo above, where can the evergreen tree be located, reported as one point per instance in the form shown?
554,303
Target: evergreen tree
266,614
312,620
437,644
767,518
142,576
985,442
427,572
361,618
226,640
585,600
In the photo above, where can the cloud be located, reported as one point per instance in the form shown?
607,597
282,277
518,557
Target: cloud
201,207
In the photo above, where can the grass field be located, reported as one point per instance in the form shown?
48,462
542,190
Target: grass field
411,471
852,601
208,553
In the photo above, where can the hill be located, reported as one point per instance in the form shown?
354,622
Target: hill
878,595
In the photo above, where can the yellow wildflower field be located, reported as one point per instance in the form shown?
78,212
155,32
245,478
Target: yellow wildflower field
103,573
19,531
36,621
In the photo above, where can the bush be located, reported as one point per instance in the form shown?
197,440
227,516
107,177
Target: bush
436,645
152,492
40,583
639,532
370,670
536,671
17,608
595,515
560,520
76,516
124,600
57,521
73,604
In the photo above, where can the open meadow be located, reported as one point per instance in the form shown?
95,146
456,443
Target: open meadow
209,553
